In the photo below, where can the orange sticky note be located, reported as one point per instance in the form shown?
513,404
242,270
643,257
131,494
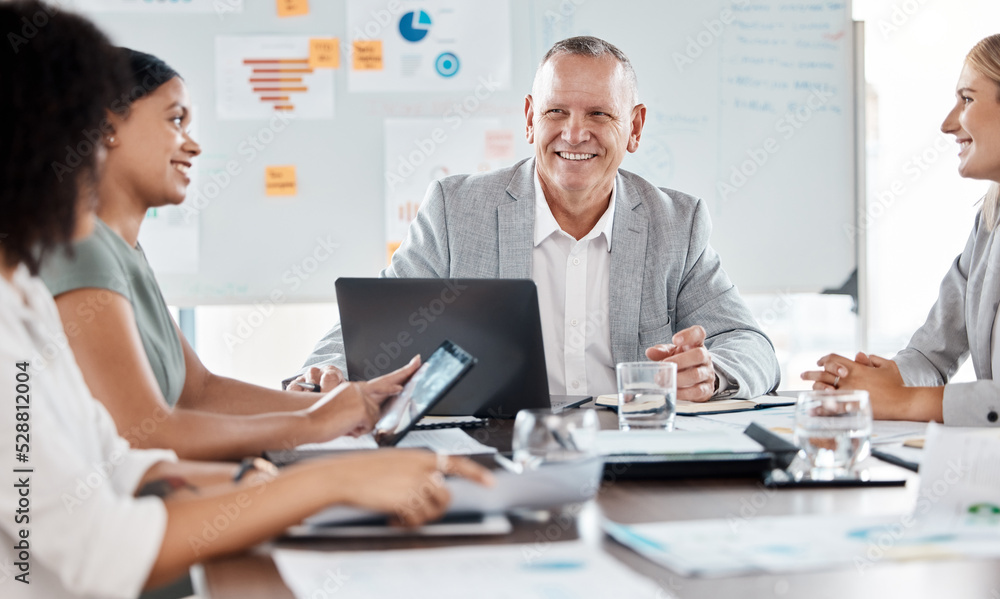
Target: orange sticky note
367,55
324,53
280,181
293,8
391,248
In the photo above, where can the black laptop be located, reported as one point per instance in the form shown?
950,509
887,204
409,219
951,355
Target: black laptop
386,321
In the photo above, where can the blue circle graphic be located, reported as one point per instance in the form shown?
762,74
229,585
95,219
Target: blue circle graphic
446,64
414,25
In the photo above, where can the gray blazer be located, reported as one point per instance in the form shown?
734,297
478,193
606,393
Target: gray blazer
960,323
664,275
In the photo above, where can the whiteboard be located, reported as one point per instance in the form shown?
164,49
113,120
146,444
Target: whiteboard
750,106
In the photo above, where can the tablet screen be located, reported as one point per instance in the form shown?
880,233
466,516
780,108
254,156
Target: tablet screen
446,366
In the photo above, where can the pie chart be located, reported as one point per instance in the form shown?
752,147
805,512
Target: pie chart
414,25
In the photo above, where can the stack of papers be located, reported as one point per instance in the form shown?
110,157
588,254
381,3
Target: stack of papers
549,571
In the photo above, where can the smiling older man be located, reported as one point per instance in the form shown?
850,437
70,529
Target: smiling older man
623,268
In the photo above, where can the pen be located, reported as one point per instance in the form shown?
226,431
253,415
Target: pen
310,386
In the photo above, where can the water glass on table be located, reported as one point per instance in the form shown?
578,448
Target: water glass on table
647,395
833,428
543,436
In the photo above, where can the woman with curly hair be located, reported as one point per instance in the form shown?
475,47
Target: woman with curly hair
94,516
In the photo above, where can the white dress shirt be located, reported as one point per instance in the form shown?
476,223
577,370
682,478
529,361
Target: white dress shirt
88,535
573,280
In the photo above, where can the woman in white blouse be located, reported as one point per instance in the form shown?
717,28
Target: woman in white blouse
72,524
915,384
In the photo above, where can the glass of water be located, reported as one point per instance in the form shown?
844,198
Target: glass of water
544,436
834,429
647,395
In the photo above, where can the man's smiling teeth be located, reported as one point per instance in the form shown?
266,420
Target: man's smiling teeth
963,146
183,168
569,156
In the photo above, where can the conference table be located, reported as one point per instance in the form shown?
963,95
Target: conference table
253,575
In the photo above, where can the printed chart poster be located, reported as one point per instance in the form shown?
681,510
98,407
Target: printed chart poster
419,151
256,76
429,45
220,7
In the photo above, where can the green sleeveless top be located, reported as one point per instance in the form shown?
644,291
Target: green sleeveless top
105,261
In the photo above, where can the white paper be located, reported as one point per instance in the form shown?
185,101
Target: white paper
957,514
552,485
784,544
433,45
450,441
612,442
960,479
170,239
549,571
251,84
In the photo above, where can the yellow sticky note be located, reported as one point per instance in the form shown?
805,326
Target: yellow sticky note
324,53
367,55
293,8
280,181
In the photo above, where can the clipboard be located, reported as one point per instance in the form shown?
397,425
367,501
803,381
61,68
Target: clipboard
775,453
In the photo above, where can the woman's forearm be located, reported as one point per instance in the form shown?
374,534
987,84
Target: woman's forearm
224,395
197,435
210,524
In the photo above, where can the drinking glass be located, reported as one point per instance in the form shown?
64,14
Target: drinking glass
833,428
543,436
647,395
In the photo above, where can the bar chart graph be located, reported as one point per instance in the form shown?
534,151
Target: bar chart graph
257,76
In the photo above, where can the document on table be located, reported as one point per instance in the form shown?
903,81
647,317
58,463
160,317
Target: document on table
957,514
451,441
611,443
535,571
550,485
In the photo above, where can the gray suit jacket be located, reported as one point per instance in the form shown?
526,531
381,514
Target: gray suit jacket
960,323
664,275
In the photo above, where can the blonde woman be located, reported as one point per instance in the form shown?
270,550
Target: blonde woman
914,384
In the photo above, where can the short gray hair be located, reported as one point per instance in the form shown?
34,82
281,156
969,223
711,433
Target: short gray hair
594,47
